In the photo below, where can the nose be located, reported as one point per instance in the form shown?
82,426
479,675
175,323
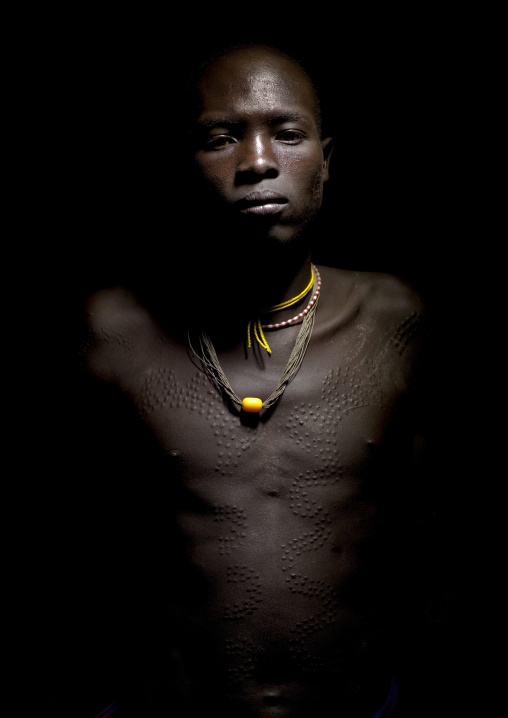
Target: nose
257,160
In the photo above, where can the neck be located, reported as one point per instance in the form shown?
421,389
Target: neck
286,285
237,294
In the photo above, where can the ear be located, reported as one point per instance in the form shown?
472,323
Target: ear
327,146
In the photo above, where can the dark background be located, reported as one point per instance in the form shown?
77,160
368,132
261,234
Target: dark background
401,97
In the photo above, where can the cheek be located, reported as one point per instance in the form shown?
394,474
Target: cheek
212,173
306,171
308,182
309,178
317,183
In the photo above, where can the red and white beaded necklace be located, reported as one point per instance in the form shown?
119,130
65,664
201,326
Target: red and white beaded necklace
315,295
314,284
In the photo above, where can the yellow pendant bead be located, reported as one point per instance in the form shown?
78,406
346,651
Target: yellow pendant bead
252,405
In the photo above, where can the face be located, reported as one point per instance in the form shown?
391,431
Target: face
258,148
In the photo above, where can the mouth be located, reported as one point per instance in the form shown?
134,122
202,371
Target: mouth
261,203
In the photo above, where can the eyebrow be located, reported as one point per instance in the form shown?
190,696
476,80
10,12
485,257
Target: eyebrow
278,118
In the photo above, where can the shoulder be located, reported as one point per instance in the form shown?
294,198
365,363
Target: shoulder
386,293
371,294
113,321
379,311
111,307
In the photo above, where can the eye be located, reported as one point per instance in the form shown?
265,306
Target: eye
291,137
218,142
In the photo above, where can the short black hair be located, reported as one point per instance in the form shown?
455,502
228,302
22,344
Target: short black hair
203,60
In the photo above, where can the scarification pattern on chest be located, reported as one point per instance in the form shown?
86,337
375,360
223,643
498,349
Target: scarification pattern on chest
313,428
161,389
316,428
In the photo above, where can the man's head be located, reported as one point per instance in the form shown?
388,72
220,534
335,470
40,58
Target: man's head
258,147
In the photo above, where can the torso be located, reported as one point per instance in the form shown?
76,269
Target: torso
283,521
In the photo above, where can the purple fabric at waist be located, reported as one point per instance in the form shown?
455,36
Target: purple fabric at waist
107,712
389,707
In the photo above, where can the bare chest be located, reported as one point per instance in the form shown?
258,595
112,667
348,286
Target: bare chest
331,425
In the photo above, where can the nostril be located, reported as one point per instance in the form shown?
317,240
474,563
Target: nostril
253,175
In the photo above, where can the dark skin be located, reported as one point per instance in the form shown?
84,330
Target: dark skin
279,531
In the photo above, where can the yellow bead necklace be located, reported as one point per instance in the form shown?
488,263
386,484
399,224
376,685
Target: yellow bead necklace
258,327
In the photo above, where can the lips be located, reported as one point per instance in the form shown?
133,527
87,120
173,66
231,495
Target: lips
261,203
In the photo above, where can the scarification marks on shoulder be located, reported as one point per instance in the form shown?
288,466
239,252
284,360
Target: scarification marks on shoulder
97,340
406,331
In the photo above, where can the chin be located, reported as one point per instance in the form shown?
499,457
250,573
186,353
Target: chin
290,235
273,233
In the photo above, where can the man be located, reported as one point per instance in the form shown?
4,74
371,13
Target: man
272,403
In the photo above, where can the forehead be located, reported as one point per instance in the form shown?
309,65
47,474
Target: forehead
256,79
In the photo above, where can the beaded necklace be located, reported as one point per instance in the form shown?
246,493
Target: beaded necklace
210,361
258,326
